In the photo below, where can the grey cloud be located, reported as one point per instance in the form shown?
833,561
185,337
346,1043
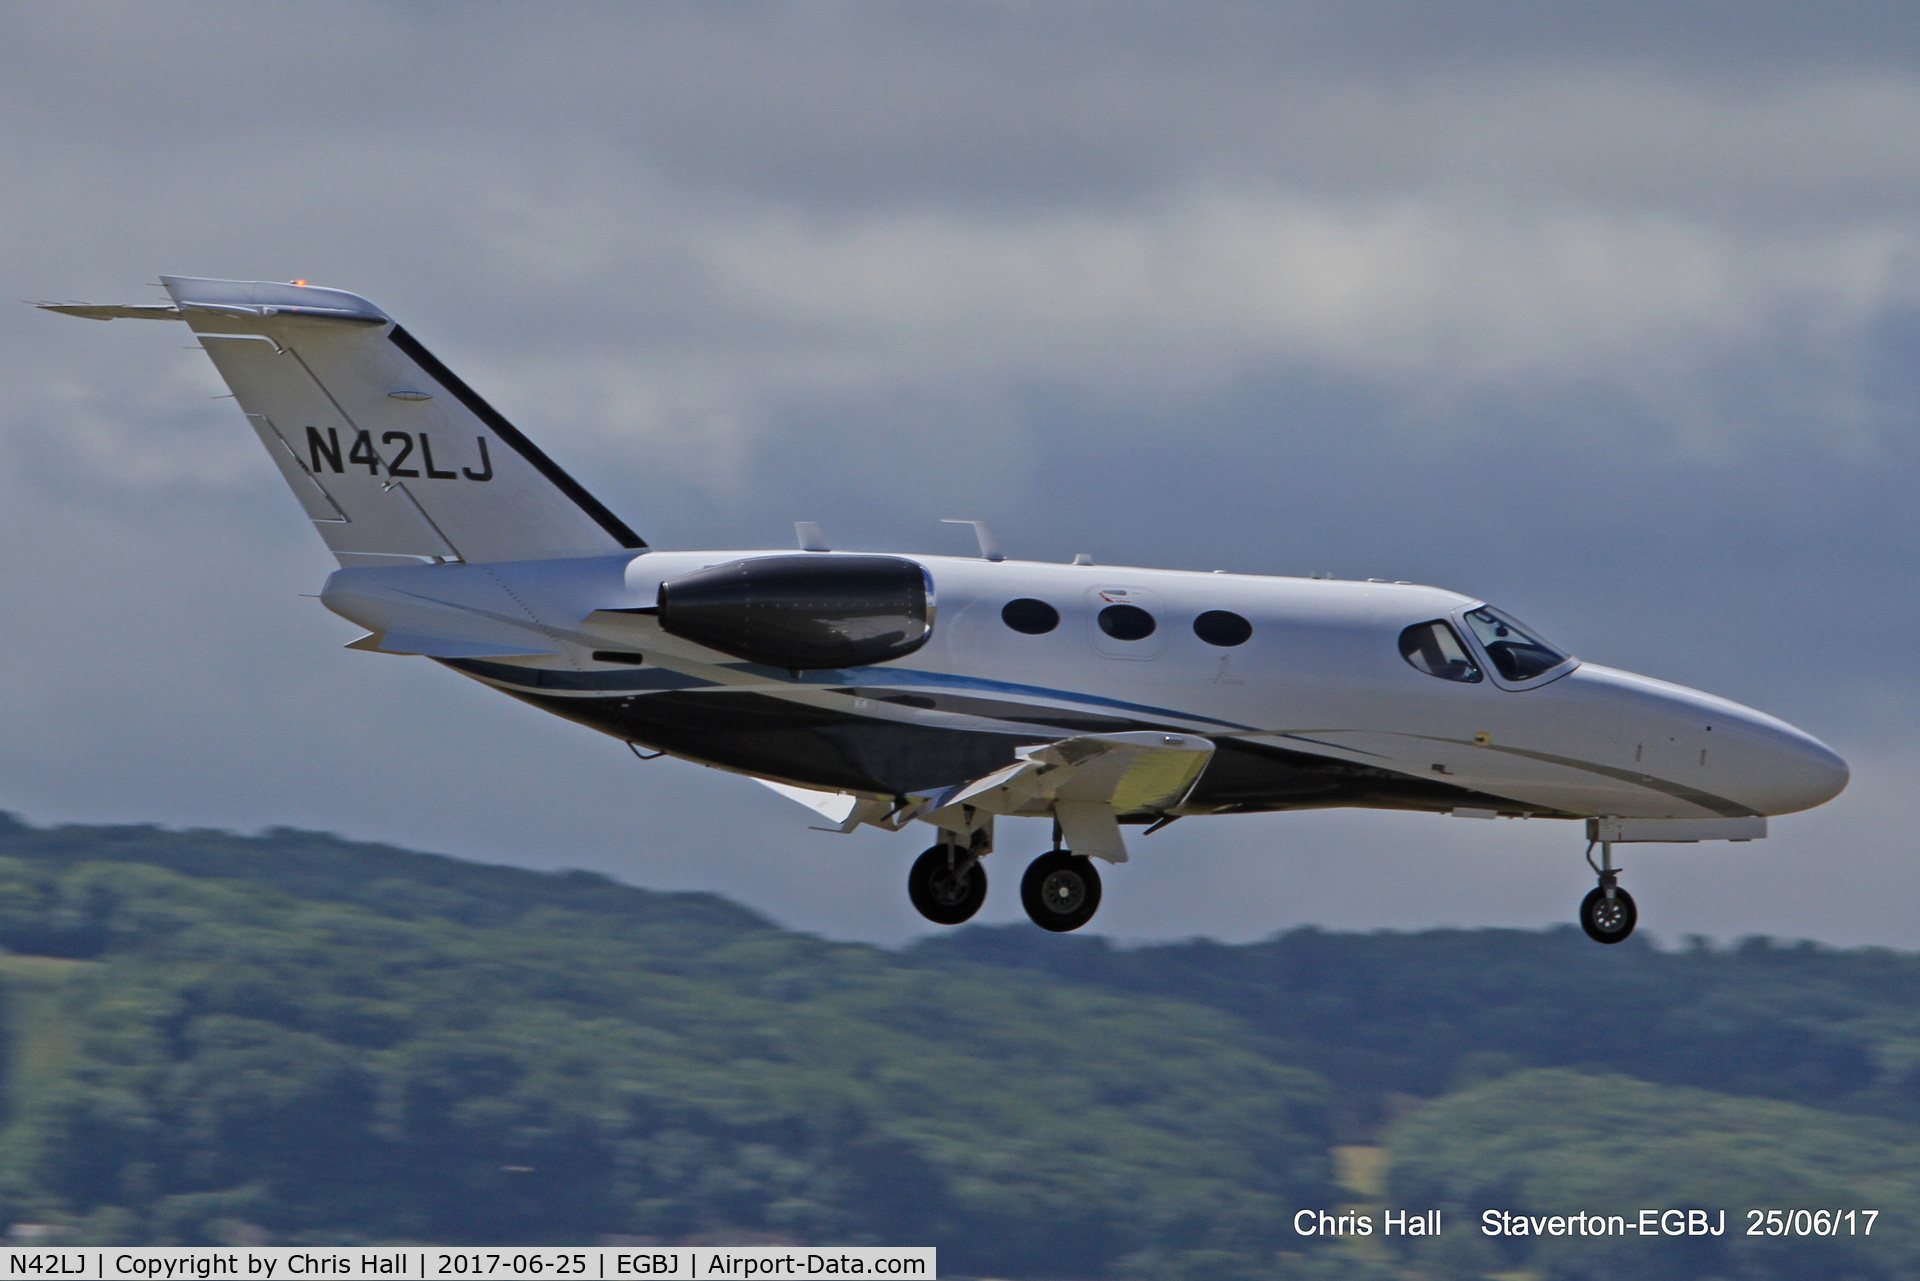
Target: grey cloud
833,108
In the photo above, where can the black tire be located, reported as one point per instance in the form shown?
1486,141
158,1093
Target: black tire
1061,891
941,896
1608,920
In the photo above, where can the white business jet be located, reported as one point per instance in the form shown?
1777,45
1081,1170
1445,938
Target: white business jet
890,689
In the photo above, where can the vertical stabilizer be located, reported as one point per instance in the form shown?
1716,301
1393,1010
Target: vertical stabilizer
391,455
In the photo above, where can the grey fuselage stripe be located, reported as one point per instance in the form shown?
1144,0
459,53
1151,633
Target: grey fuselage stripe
615,683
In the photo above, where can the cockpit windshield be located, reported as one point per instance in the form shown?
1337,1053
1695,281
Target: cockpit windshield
1516,655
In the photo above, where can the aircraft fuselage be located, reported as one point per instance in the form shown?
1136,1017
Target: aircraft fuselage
1316,707
883,689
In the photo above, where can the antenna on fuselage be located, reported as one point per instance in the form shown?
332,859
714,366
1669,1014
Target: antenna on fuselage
989,548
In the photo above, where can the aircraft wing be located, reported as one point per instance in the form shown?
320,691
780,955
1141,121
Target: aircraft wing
1086,783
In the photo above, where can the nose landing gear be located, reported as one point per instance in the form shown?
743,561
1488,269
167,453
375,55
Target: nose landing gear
1607,913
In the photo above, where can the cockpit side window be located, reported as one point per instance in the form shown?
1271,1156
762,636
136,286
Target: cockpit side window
1516,655
1435,649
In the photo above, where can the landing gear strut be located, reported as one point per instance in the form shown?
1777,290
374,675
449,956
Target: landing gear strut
947,884
1607,913
1060,891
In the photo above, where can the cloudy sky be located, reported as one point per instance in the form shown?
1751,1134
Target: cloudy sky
1609,314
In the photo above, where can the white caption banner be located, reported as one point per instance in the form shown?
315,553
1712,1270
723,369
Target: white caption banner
416,1263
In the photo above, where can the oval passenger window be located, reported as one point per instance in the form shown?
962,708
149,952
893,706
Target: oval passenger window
1033,617
1435,649
1126,622
1222,627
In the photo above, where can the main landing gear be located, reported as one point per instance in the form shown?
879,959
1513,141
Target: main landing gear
1607,913
947,884
1061,890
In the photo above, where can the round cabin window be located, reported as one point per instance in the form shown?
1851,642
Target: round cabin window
1223,628
1126,622
1032,617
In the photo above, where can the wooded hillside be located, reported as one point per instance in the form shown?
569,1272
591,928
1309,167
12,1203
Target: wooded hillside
291,1037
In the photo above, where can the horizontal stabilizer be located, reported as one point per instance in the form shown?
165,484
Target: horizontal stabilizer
115,311
439,646
464,616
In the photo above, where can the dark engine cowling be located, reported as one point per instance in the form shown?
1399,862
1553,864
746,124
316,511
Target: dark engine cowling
803,612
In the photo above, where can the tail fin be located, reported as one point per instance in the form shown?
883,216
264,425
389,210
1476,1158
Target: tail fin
392,456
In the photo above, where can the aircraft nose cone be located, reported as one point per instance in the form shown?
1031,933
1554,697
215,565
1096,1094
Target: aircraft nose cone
1743,757
1771,765
1806,772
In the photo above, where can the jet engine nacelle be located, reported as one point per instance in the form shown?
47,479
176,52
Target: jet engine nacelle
804,612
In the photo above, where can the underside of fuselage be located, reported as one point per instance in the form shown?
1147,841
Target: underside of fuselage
815,747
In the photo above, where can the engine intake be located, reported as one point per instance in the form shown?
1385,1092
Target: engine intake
803,613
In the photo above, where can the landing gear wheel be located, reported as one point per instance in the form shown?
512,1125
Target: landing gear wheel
1060,891
947,885
1608,920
